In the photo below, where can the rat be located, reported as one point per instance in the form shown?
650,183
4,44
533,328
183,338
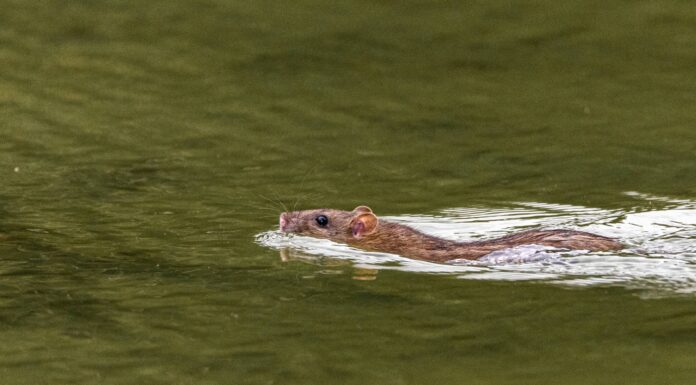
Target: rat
362,229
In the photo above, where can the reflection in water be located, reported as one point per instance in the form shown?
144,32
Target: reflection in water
365,274
660,253
332,266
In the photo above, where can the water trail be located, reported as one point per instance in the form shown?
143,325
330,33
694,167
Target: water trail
660,258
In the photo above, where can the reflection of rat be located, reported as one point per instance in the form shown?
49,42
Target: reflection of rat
362,229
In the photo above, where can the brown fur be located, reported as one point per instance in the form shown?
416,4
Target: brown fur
362,229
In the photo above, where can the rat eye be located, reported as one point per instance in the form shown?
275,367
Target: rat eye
322,220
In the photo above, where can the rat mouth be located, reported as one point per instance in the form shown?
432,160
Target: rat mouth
286,223
282,223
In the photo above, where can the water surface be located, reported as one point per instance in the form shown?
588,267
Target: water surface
143,148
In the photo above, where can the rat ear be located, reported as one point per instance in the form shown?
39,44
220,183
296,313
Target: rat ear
362,209
364,224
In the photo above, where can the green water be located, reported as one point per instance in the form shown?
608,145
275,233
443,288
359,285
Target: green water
143,145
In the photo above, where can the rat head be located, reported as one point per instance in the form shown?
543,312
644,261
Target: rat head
337,225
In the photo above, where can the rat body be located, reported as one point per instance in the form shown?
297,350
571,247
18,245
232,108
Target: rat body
362,229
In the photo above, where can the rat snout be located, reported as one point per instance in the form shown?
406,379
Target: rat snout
282,222
288,222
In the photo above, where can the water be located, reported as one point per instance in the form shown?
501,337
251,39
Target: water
145,147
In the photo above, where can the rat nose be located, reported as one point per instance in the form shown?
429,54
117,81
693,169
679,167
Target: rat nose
282,222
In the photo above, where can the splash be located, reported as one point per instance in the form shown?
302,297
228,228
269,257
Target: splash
660,258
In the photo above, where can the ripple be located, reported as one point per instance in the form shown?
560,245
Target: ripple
660,258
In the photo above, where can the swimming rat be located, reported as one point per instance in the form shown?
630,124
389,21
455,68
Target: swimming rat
362,229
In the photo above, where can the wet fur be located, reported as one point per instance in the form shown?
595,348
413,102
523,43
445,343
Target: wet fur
400,239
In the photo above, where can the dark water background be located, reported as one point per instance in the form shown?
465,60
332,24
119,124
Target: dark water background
143,146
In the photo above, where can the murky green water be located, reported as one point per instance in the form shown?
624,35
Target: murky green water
142,146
